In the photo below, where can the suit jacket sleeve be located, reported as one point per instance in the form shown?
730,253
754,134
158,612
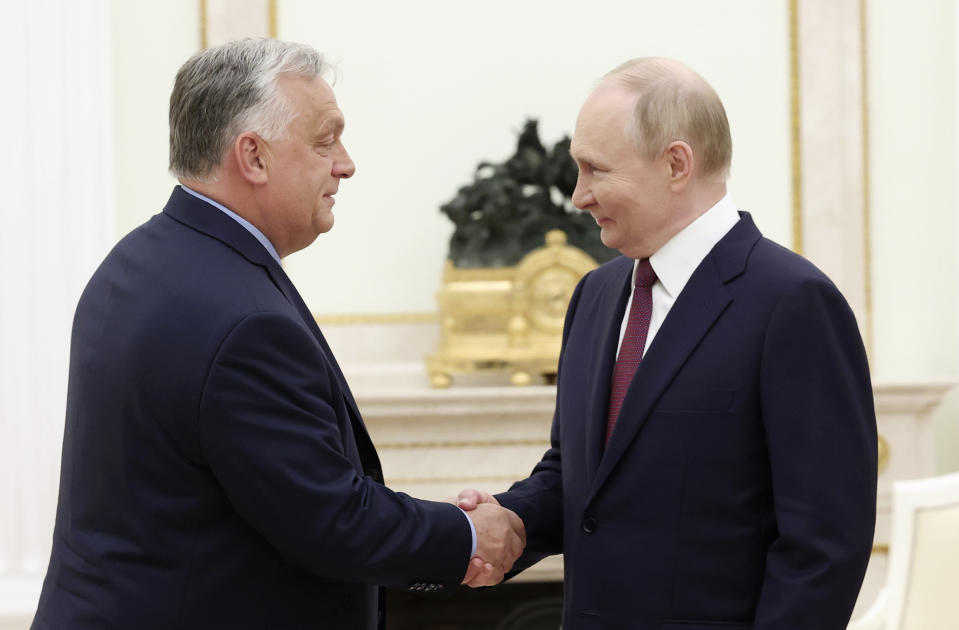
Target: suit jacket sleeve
817,408
270,434
538,499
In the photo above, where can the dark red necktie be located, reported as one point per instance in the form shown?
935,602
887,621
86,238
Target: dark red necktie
631,350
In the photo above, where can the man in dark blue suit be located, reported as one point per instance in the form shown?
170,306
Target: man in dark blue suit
713,460
216,471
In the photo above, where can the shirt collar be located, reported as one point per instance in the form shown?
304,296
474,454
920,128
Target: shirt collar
246,224
676,261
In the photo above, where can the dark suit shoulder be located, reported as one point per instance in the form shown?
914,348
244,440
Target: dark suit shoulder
775,270
157,310
784,262
181,273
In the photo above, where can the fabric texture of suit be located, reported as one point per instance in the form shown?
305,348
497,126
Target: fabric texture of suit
216,472
738,488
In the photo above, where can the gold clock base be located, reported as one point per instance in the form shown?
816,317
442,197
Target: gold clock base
507,320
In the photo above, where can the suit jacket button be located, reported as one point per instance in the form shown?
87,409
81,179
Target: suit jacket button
590,525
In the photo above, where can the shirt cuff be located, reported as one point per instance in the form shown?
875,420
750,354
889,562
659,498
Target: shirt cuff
472,529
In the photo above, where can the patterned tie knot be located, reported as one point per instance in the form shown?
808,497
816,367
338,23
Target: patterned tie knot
645,276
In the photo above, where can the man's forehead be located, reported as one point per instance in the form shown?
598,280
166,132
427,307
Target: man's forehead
314,91
597,121
315,102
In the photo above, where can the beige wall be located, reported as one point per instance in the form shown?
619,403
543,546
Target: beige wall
912,105
430,88
151,39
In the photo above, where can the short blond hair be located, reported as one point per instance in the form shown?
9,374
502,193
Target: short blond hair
675,103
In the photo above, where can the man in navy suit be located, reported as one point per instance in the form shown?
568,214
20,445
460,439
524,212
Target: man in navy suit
713,460
216,471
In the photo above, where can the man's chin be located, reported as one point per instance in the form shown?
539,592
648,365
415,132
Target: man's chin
609,238
324,223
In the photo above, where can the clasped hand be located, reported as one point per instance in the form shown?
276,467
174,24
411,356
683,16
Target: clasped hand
500,538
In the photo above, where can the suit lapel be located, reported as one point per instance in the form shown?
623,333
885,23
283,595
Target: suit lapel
599,372
699,305
286,286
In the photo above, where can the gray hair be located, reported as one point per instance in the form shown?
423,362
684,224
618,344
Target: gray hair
675,103
222,92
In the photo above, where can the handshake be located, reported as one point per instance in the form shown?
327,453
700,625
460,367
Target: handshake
500,538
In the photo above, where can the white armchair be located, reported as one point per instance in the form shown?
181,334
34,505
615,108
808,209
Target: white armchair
922,581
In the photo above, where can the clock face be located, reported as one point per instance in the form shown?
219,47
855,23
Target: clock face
551,290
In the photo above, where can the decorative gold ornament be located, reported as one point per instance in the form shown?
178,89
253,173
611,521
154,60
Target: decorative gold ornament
510,319
883,453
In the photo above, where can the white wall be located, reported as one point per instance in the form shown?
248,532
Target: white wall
58,222
430,88
152,39
912,105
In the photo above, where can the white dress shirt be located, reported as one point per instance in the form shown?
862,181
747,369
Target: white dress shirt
676,261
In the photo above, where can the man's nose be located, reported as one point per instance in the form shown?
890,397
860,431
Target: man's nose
343,166
582,197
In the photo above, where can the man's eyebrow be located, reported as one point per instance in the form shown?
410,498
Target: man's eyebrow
580,155
334,124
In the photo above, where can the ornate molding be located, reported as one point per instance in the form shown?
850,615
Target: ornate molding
910,397
465,480
883,454
866,183
376,318
225,20
385,446
795,126
497,404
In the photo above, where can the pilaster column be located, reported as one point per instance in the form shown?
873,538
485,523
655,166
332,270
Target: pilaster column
222,21
56,173
831,218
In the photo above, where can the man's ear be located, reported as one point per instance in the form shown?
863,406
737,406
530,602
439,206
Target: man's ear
250,154
679,156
